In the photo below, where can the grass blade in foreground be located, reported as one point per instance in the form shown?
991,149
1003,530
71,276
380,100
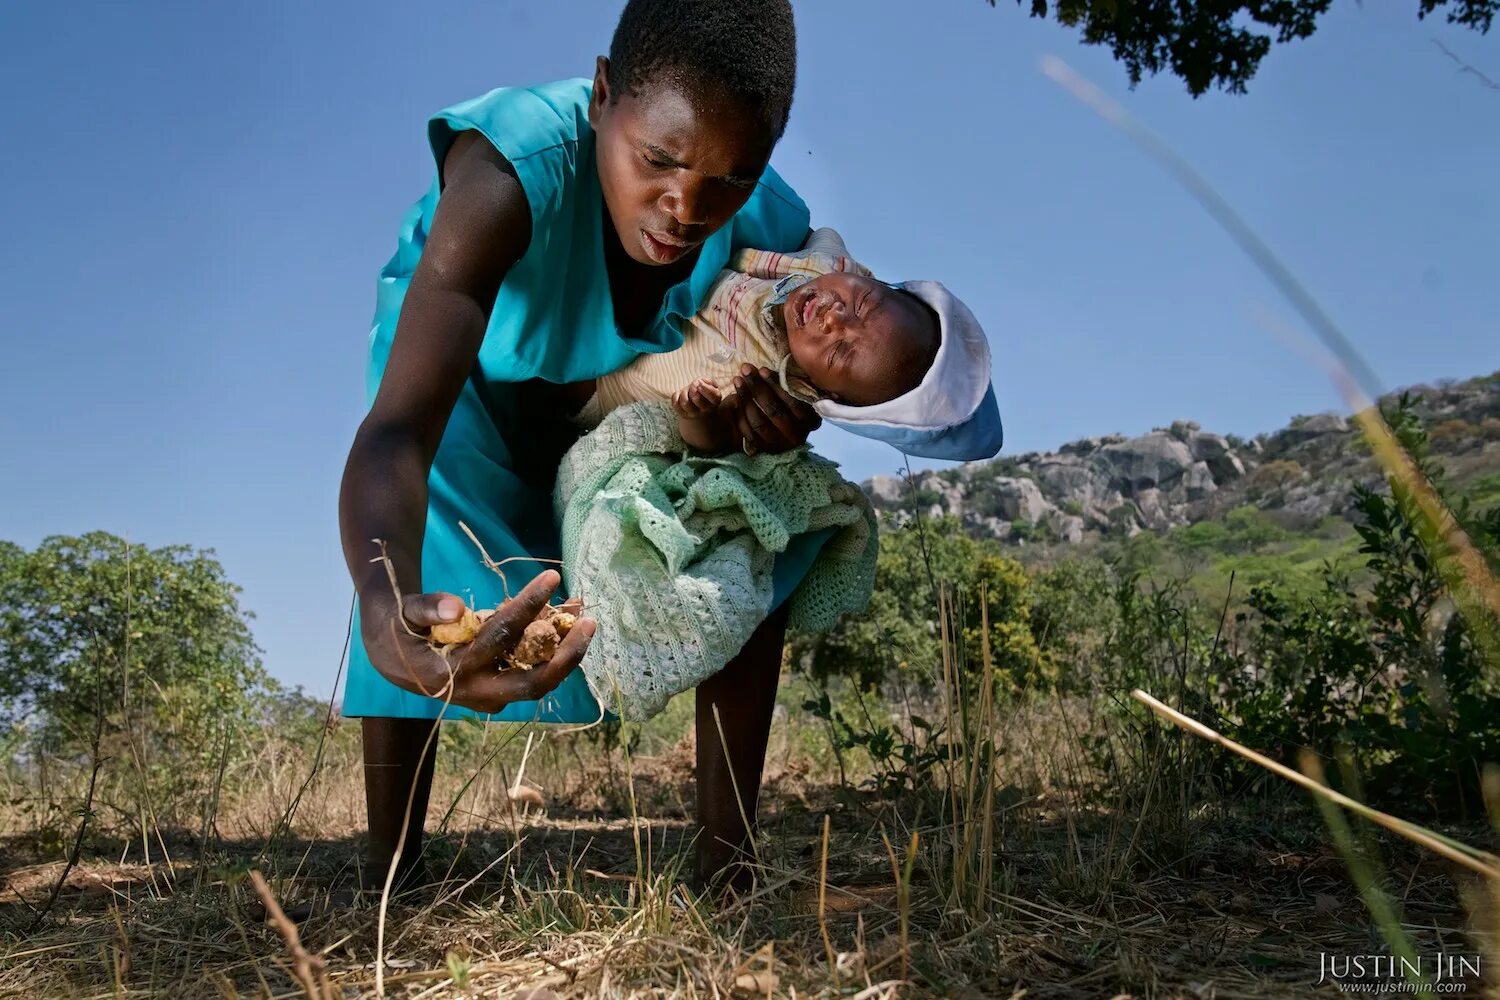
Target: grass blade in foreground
1470,580
1366,878
1483,862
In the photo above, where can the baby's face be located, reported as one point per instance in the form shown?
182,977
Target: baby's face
858,339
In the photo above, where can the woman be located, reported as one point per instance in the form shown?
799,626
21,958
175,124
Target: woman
569,228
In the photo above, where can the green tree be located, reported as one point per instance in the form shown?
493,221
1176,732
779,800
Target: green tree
152,639
900,630
1213,43
1394,674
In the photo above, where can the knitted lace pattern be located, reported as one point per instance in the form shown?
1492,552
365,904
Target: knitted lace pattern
672,551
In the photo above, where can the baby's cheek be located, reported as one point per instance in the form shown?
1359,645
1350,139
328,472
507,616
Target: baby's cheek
807,361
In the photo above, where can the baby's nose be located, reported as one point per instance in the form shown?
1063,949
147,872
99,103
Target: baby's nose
835,317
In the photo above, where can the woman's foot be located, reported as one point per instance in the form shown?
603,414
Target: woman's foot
721,867
409,877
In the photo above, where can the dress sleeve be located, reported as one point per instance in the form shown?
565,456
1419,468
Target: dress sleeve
774,218
531,128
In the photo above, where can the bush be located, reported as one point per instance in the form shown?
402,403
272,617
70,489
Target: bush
900,633
1452,435
146,648
1384,669
1243,529
1072,609
1274,476
1392,678
1485,491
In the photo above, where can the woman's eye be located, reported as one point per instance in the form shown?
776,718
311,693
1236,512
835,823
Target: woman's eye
656,162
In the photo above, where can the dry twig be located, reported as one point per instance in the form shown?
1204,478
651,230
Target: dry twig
308,969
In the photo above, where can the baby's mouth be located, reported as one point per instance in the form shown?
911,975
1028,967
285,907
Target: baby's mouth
809,307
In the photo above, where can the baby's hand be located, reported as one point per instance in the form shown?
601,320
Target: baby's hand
697,401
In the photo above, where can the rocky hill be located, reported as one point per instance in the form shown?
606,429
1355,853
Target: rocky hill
1115,486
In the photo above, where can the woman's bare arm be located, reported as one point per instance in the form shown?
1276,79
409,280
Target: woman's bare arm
481,228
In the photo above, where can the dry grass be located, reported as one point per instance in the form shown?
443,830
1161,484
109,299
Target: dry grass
1049,882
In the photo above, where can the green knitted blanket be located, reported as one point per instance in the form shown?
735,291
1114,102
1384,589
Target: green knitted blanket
672,551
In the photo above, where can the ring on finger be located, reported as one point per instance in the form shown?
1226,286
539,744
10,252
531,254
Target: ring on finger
769,405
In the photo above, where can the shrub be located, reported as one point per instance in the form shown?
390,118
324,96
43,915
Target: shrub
1452,434
1274,476
899,631
147,647
1392,678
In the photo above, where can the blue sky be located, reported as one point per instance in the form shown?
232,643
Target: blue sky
199,196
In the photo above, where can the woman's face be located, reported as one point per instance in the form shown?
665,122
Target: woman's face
674,164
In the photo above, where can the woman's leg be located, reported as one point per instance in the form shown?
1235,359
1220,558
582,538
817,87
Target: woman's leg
744,693
393,760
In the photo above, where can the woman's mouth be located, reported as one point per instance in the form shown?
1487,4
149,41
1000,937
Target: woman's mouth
662,248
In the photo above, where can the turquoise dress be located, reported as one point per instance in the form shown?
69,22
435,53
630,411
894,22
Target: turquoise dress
553,320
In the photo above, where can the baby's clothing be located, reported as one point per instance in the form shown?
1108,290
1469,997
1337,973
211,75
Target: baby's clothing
740,323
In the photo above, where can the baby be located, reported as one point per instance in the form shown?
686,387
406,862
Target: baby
677,547
906,362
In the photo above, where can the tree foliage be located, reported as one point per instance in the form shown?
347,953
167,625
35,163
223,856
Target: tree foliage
900,629
1213,43
95,623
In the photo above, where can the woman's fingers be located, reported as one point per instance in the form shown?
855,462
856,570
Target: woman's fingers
413,665
479,676
749,419
503,630
769,419
427,610
490,690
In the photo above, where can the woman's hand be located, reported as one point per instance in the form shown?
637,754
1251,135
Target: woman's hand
481,679
767,417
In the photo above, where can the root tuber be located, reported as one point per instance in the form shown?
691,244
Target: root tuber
538,643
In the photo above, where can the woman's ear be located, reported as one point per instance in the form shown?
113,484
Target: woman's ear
600,96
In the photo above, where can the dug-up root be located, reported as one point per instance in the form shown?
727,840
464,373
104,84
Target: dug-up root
538,643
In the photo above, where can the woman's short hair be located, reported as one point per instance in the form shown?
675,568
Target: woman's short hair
746,49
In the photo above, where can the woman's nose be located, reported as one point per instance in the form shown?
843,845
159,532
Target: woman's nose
687,202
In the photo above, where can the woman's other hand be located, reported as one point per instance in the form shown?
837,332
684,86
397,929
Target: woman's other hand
767,417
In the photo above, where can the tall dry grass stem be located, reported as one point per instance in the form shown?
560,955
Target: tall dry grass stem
284,824
310,971
96,763
1366,877
1471,582
1482,862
